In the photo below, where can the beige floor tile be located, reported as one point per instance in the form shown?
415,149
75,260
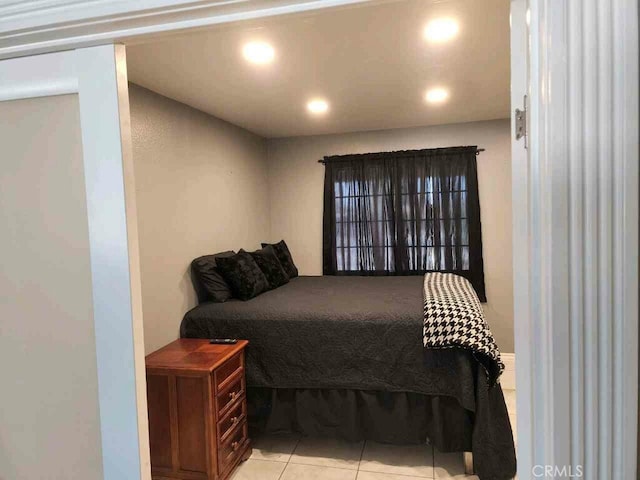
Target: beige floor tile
314,472
277,448
510,400
411,460
461,477
327,453
384,476
258,470
448,465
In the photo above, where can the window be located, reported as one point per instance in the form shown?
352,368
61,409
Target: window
403,213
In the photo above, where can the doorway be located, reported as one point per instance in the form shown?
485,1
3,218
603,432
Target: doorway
227,159
549,304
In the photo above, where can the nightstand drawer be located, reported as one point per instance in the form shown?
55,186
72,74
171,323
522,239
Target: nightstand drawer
227,397
223,373
232,447
231,420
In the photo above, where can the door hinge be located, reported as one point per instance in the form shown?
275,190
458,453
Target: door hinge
521,123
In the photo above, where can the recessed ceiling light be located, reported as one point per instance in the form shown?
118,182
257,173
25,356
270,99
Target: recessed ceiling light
258,52
317,106
441,30
436,95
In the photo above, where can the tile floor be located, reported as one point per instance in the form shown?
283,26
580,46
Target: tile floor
290,457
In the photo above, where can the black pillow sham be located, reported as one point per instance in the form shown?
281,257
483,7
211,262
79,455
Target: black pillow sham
207,280
243,275
284,255
270,265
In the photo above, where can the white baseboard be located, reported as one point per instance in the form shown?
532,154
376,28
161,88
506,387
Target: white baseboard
508,378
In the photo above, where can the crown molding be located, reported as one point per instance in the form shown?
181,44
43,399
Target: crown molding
39,26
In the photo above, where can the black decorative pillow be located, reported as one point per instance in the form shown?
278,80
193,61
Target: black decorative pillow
284,256
270,265
207,280
243,275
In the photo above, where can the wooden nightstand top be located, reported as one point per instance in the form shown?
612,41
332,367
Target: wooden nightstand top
193,354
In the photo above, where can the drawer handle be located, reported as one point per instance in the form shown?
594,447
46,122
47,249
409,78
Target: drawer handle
234,395
235,445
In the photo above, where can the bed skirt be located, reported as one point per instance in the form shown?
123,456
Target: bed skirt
386,417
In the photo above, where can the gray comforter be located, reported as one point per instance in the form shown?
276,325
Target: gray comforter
339,332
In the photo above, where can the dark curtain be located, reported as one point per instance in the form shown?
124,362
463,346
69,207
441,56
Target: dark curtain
403,213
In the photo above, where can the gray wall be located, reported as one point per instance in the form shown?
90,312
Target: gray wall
296,189
49,422
201,187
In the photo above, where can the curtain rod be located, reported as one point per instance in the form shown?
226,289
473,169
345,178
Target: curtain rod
478,150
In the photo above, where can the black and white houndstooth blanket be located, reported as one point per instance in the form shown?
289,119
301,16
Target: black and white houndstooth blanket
453,318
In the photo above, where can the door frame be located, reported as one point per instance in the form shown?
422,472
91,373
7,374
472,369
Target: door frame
98,75
576,227
581,274
520,179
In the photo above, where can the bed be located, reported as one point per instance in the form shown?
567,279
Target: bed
343,356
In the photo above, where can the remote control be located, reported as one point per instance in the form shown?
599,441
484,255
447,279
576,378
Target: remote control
224,341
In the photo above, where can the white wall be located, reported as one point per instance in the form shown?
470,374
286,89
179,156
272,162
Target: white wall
49,414
296,190
201,187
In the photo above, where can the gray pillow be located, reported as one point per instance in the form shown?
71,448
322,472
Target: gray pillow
243,275
208,283
285,258
270,265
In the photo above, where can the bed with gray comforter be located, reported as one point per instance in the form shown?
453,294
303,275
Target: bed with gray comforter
359,335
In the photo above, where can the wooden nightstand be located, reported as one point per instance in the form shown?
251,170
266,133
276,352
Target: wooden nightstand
197,410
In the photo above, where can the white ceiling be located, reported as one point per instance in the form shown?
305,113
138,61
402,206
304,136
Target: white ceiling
370,62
